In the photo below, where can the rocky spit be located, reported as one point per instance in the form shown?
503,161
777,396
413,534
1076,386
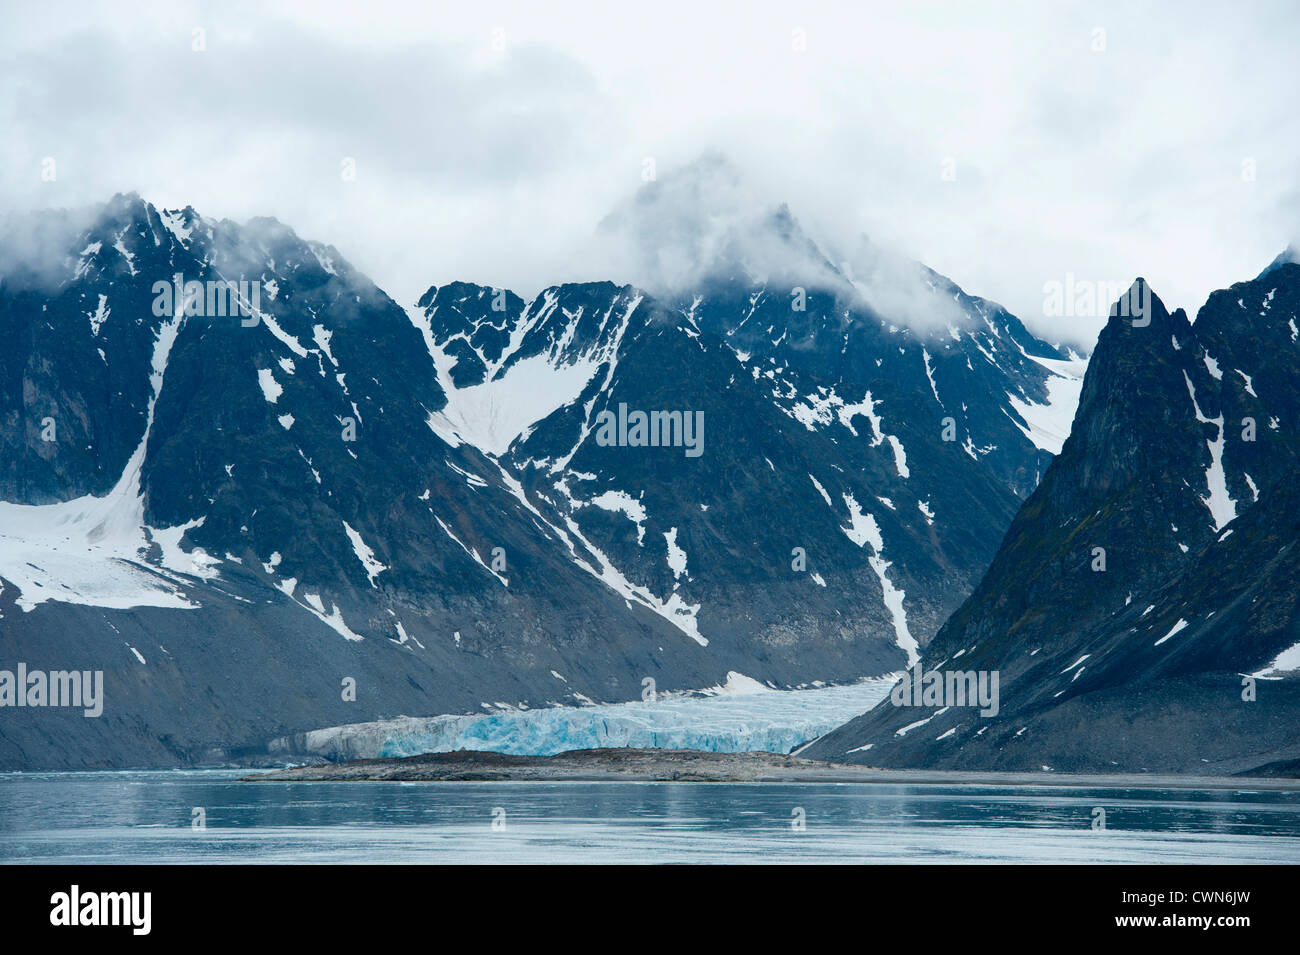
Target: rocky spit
679,765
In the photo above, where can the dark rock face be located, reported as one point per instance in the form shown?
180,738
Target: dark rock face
1182,465
249,515
66,357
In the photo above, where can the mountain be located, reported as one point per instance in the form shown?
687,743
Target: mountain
856,470
1287,255
290,503
1143,611
234,518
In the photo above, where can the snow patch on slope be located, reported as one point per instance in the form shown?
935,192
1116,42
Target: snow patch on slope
676,556
863,529
1047,425
364,554
1222,508
511,401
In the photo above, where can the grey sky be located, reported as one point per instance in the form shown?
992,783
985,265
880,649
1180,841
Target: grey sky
1068,150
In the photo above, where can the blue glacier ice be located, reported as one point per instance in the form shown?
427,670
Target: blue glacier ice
741,717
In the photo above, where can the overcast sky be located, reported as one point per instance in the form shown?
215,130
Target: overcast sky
1005,145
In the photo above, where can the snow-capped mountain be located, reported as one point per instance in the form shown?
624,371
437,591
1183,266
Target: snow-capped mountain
1143,611
239,519
263,498
857,470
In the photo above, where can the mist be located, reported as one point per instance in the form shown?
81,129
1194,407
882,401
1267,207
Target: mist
1005,145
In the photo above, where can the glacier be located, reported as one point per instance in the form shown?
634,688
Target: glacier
742,716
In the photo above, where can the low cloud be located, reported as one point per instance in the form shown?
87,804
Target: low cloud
35,246
1005,145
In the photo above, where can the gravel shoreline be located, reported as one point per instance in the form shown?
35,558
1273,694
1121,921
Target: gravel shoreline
666,765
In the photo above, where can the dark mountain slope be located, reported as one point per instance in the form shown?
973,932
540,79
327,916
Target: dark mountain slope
1183,466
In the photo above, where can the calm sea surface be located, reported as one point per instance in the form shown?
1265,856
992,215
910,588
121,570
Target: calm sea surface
148,817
